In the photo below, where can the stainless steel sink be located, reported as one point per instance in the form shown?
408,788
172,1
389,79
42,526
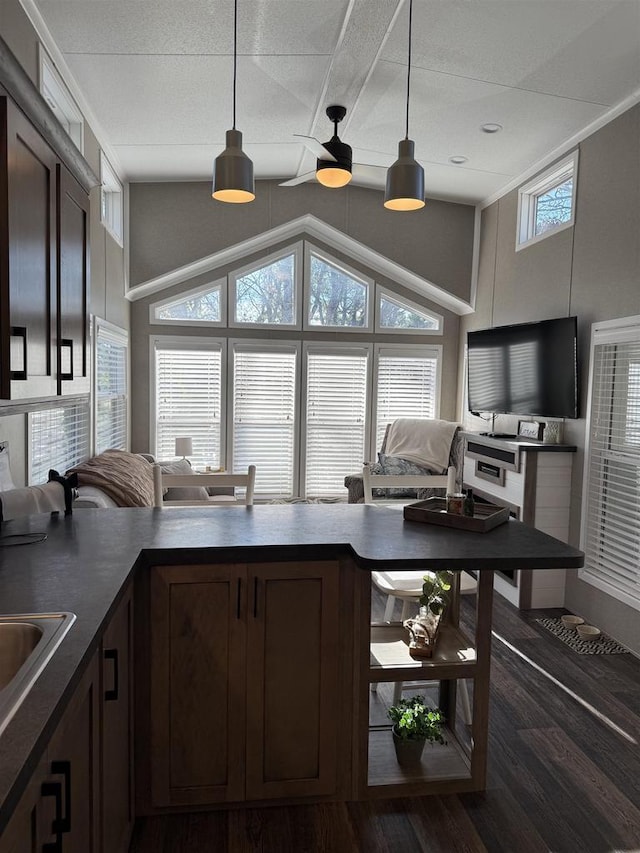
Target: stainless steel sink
27,642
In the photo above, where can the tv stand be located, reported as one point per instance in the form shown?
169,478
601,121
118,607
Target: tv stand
533,480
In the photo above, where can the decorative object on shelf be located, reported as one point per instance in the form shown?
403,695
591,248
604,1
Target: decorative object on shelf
184,446
485,517
530,429
405,177
552,433
414,723
424,627
233,170
455,503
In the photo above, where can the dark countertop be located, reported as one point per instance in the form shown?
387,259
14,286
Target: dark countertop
87,558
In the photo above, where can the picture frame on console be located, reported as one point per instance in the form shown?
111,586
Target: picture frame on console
531,429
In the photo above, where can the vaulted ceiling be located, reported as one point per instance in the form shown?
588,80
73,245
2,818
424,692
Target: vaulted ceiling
157,75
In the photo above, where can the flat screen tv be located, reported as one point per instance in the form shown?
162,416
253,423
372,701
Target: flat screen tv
525,369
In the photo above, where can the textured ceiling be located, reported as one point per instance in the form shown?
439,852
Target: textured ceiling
158,79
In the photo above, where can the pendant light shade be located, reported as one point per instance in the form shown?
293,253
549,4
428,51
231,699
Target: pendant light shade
405,178
233,170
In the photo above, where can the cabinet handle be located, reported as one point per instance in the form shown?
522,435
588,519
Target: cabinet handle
66,343
20,332
255,597
54,789
112,695
238,598
63,768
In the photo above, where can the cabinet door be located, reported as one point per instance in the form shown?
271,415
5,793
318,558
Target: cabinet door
117,730
198,633
72,363
73,763
23,833
27,265
293,712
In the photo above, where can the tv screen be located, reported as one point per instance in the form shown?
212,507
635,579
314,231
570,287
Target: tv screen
526,369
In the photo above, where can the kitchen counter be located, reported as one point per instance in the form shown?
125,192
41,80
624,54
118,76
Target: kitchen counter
87,558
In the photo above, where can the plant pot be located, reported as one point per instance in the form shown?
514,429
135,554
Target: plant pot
408,752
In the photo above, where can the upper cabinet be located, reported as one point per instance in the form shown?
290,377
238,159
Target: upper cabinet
44,266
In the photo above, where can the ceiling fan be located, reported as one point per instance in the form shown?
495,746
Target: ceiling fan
334,165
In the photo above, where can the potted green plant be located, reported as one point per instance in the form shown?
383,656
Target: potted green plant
414,723
424,627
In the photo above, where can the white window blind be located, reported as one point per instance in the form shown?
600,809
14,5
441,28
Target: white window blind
407,387
111,389
188,392
58,439
336,414
264,415
611,515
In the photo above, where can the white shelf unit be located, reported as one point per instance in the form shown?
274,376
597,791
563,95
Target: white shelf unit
534,480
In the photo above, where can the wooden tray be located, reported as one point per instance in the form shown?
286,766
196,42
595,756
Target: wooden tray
433,511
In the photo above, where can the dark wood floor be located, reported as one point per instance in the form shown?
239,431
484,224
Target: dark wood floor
564,771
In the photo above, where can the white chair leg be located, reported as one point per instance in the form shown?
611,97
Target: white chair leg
408,604
466,704
388,610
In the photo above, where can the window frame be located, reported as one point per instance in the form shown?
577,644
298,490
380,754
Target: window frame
58,96
187,342
382,291
529,193
111,200
294,249
220,284
621,331
262,345
120,337
369,283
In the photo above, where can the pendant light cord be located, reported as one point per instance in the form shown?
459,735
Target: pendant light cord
235,57
406,133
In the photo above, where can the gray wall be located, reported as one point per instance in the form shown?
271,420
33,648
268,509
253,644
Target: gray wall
108,262
173,224
591,270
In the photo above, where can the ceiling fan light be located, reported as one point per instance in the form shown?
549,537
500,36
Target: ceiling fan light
405,180
332,175
233,172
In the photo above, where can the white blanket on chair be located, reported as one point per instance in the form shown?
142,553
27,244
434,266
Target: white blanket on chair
421,440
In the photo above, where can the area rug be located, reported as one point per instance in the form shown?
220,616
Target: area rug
603,646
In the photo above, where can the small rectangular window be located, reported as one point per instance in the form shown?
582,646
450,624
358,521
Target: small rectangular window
57,95
111,200
546,204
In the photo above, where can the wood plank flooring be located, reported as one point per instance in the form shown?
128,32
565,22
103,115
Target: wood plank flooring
564,771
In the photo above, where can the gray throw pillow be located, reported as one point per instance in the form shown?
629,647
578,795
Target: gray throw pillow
397,465
182,466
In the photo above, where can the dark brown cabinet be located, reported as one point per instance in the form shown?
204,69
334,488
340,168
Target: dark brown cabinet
44,267
243,682
117,814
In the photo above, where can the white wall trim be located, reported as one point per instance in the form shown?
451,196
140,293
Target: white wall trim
564,148
314,228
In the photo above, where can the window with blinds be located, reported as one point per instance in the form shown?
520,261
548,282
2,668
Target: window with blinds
406,385
111,388
188,398
336,417
611,504
58,439
264,415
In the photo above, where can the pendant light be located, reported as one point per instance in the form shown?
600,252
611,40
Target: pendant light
405,178
233,170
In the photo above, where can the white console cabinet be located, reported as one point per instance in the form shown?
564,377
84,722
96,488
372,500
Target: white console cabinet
534,480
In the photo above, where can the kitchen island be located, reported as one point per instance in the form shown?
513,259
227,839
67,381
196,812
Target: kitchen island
302,567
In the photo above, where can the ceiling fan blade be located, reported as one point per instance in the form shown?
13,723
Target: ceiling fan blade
316,148
299,179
